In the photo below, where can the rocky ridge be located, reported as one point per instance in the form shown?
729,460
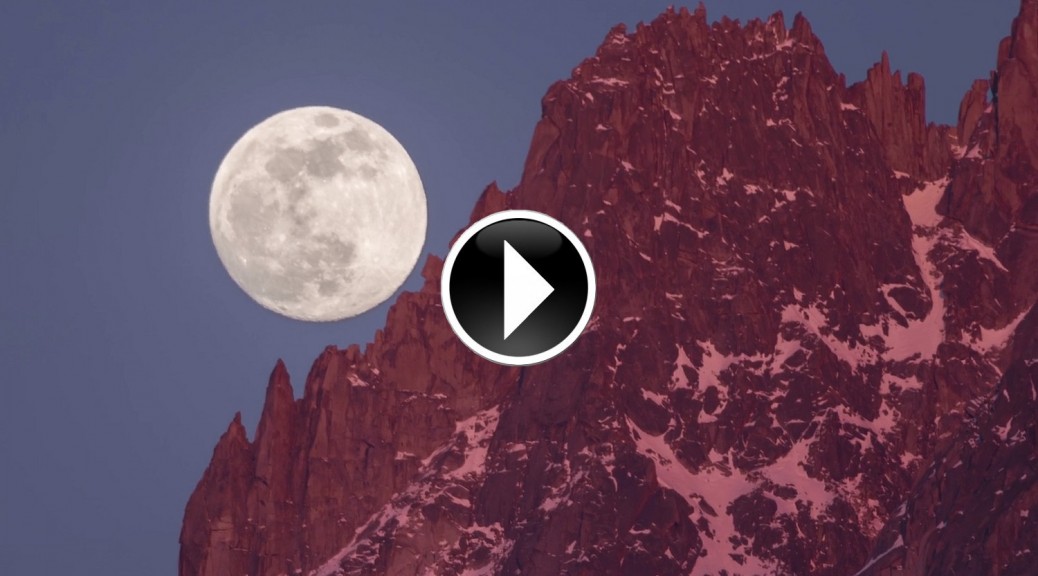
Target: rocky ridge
813,343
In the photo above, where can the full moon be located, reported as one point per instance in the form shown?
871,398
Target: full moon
318,213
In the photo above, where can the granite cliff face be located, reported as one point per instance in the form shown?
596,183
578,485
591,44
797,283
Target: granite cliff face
813,350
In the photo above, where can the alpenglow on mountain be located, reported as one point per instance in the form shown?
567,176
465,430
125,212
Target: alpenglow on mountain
814,347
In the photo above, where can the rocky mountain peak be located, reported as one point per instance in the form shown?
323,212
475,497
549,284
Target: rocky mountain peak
994,189
809,301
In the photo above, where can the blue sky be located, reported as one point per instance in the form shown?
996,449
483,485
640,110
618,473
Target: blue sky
125,348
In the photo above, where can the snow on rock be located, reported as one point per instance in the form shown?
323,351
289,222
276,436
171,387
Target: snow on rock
996,339
817,323
725,177
679,379
921,338
612,82
667,217
899,543
477,431
499,548
471,437
719,485
965,241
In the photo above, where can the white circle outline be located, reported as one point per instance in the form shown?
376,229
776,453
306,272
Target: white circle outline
448,308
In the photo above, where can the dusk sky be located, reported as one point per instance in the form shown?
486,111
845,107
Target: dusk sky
125,347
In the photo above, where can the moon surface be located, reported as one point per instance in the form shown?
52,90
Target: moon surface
318,213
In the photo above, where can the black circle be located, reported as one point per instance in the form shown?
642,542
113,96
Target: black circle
477,287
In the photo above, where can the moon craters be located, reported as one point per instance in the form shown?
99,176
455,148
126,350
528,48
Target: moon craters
326,120
318,213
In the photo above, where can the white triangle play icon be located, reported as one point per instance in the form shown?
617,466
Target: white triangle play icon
525,289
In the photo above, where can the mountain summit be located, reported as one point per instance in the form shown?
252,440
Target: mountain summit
814,348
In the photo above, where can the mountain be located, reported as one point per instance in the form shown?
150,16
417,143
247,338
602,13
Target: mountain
814,347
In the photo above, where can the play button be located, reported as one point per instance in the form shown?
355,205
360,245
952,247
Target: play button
518,287
525,289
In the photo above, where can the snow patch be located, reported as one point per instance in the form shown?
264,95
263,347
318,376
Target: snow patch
1003,431
613,82
899,543
653,397
678,378
355,381
815,321
965,241
477,430
995,339
658,221
719,484
472,435
922,337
